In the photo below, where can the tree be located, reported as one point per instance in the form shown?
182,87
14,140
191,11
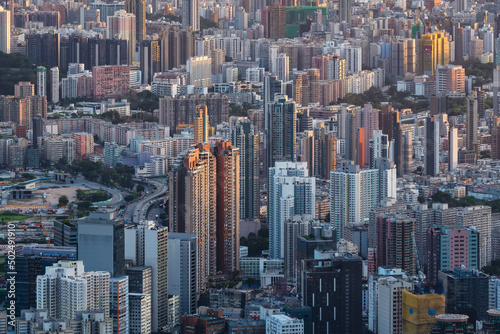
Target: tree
63,200
140,188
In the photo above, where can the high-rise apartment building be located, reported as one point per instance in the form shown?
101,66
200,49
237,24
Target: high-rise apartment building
332,288
479,217
44,48
5,26
395,234
200,71
122,25
353,193
119,304
101,245
191,15
150,58
403,57
201,124
41,81
147,245
345,11
433,50
431,158
336,68
453,149
281,67
192,206
84,144
451,247
390,304
65,289
275,22
31,262
182,109
228,206
182,281
244,137
281,130
450,78
54,84
110,81
291,192
24,89
138,8
473,101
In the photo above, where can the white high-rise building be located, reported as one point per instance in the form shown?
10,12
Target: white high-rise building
54,83
353,56
119,304
182,281
5,26
281,324
390,304
453,149
291,192
41,81
282,67
66,289
461,6
353,193
146,245
191,15
200,71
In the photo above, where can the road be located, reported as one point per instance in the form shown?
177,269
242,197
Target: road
140,209
117,199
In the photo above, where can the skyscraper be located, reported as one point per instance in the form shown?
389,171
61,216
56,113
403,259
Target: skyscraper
353,193
281,67
291,191
138,8
479,217
281,131
41,81
65,289
101,244
183,280
228,206
390,304
332,288
473,122
451,247
453,149
450,78
347,131
200,71
433,50
191,15
37,129
431,158
243,136
403,57
54,84
345,11
119,304
122,25
192,206
201,124
147,245
395,242
150,58
5,26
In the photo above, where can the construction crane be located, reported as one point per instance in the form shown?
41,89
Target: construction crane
421,276
49,237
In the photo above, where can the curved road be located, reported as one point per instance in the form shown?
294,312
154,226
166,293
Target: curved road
140,209
117,198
